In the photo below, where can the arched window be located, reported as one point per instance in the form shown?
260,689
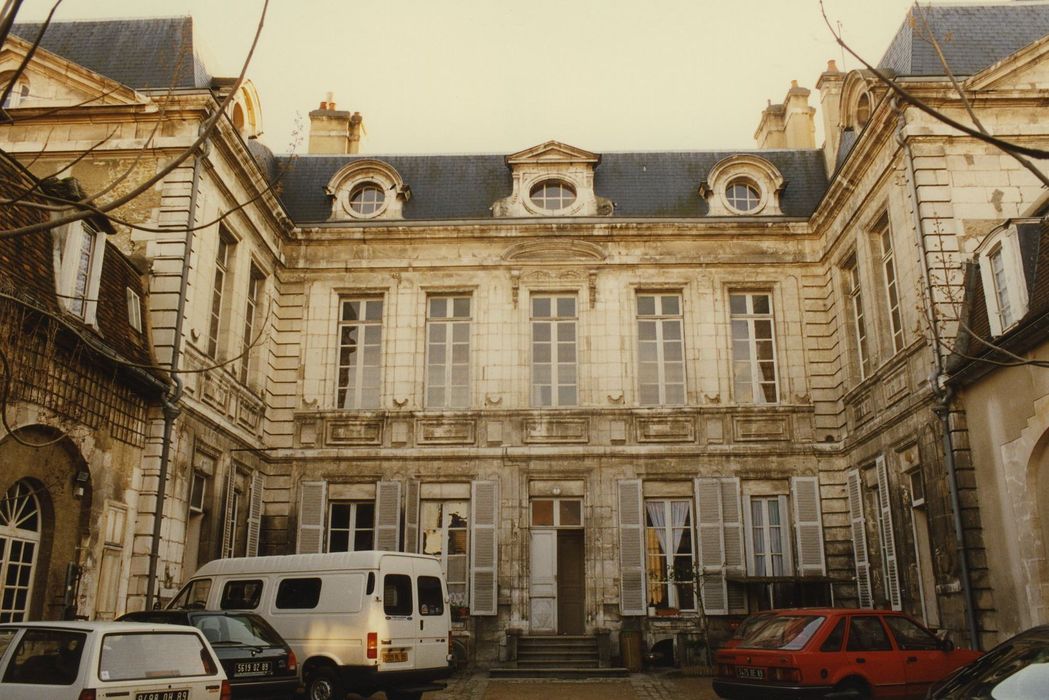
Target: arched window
863,110
19,541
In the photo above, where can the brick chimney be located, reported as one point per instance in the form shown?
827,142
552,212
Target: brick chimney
333,131
790,124
830,86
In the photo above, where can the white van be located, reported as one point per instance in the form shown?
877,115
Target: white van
357,621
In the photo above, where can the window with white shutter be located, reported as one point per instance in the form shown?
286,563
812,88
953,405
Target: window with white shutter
808,525
854,484
887,535
484,552
258,483
313,496
388,516
719,519
631,549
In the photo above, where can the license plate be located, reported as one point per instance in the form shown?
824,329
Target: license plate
253,668
394,656
750,673
164,695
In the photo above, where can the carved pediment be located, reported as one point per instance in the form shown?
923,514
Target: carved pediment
552,152
554,251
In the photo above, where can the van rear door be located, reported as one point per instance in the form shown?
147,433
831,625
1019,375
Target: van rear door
434,621
397,645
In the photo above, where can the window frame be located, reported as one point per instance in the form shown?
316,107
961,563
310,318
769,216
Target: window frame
219,291
751,317
853,288
367,390
134,309
376,207
752,186
1008,283
541,203
352,530
256,282
882,232
785,526
445,528
659,318
447,367
668,575
557,347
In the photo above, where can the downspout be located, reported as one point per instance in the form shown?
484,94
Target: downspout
944,396
170,402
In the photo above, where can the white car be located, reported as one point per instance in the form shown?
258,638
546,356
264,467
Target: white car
102,660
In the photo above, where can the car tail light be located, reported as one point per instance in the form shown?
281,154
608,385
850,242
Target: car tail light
87,695
227,691
726,670
209,663
293,662
373,645
785,675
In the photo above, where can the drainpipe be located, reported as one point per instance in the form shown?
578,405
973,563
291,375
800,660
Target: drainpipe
944,396
170,402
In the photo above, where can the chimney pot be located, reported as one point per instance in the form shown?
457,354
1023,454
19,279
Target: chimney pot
832,66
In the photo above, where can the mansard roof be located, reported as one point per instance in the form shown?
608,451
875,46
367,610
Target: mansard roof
140,53
641,184
973,37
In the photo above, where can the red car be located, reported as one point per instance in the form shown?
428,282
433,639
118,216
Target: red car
857,653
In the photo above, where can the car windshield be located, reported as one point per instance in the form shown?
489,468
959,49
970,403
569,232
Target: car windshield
788,632
236,630
1013,670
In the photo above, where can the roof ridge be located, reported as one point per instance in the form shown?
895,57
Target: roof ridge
96,20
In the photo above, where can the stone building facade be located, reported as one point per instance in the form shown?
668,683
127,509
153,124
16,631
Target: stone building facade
647,391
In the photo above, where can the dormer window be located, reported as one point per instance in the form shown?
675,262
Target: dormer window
743,195
553,195
78,250
743,184
863,110
1001,272
19,91
367,199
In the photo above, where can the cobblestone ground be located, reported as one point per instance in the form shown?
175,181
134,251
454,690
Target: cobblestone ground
639,686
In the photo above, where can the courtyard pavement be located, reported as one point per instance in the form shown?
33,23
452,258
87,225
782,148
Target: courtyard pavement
638,686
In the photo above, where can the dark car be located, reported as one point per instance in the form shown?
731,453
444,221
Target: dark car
1016,668
258,662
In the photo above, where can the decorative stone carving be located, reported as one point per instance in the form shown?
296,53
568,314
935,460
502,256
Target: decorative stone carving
666,430
557,430
755,429
446,431
355,432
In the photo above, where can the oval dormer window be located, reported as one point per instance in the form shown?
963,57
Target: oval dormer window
367,199
742,195
552,195
863,110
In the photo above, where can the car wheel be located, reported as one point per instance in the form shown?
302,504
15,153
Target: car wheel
323,684
852,689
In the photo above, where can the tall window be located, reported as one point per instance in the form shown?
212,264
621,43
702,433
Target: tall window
360,353
448,352
445,530
661,350
20,528
670,559
251,309
1001,287
222,258
888,268
852,282
84,269
351,526
767,535
554,381
753,348
233,524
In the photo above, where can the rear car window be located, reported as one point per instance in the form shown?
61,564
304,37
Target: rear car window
193,595
431,597
46,657
241,595
835,638
246,630
153,655
298,593
788,632
397,594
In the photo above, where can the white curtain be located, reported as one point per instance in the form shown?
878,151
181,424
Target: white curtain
657,514
679,511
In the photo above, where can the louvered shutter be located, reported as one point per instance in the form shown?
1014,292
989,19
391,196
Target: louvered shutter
388,516
735,558
229,518
859,538
484,553
808,525
710,523
258,482
411,517
632,599
313,498
888,535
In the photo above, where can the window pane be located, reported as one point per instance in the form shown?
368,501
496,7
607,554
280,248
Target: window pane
397,594
46,657
571,513
542,512
431,596
646,306
241,595
541,307
298,593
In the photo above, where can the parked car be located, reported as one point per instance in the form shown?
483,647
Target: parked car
1017,668
360,621
747,626
258,662
98,660
858,653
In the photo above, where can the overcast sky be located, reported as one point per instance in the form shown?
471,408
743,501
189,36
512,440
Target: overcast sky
454,76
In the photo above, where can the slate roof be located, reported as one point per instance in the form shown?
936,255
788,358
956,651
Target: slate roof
973,37
641,184
139,53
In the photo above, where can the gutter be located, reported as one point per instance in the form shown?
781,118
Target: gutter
171,400
944,394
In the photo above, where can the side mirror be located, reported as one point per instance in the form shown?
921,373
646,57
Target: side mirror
946,645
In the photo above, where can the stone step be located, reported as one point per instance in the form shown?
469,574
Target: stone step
557,653
558,673
557,663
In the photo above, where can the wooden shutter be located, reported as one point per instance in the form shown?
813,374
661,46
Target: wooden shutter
808,525
258,483
229,518
484,552
411,517
710,525
632,598
859,538
313,504
735,557
888,535
388,516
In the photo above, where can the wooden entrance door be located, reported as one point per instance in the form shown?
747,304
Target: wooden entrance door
571,582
